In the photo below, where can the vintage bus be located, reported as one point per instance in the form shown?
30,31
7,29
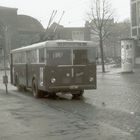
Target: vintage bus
55,66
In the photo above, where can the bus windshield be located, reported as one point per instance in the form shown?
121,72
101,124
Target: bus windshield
59,57
83,56
70,56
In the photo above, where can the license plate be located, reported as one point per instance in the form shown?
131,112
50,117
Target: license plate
73,87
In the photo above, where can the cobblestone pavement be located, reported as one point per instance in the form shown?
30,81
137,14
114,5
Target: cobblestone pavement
119,93
118,90
23,117
112,112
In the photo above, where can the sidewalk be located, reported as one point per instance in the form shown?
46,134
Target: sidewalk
110,69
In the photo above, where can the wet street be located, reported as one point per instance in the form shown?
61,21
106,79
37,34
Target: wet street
112,112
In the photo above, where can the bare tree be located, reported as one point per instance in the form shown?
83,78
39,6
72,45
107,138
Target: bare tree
101,19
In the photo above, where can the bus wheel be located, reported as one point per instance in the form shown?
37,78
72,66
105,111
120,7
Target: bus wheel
36,92
53,95
78,94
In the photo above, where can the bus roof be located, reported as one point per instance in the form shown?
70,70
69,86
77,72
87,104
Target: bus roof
53,43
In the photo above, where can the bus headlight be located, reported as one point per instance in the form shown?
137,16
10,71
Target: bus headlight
68,75
53,80
91,79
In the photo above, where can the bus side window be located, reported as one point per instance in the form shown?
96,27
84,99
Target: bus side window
41,55
28,57
15,58
32,56
19,58
22,57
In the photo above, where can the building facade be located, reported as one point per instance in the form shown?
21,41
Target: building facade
135,18
68,33
75,33
21,30
16,30
135,27
9,33
29,30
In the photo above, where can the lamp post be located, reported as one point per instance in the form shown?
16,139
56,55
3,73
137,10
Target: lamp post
5,77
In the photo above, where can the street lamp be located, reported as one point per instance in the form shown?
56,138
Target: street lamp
5,77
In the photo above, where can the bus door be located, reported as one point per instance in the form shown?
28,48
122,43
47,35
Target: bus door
19,68
32,67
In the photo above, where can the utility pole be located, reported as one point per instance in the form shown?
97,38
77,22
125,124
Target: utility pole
5,77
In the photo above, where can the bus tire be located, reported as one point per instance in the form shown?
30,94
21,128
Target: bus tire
53,95
78,94
36,92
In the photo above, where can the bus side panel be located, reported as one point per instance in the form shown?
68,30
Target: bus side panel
32,72
36,71
20,74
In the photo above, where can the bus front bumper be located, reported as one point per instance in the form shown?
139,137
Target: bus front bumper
70,88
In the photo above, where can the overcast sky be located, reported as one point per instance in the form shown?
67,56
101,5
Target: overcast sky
75,10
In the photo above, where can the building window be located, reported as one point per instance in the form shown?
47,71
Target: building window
134,14
134,32
42,55
1,52
77,35
138,13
